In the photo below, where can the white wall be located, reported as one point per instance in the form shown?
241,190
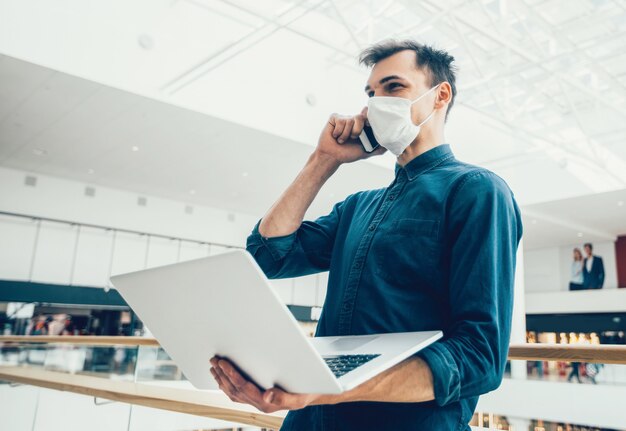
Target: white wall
68,254
548,269
585,404
542,270
581,301
63,199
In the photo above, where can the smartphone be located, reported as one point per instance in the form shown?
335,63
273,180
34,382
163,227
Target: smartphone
368,140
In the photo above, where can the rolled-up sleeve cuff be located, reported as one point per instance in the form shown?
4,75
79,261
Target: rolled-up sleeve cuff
278,246
446,379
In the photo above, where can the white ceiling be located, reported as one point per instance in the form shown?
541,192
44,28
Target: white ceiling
542,84
57,124
61,125
212,90
600,217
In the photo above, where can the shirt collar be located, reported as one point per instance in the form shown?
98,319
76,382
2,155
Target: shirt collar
425,161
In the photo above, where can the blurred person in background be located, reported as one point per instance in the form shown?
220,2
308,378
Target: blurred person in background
593,269
576,278
575,372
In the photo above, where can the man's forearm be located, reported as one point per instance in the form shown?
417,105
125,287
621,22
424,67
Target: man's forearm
285,216
410,381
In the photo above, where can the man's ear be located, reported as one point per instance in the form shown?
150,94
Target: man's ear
444,95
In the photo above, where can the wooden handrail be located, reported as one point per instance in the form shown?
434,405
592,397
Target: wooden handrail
601,353
91,340
212,404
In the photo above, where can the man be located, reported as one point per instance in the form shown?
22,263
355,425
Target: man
593,269
433,250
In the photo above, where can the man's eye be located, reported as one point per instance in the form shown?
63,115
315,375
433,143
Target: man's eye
393,86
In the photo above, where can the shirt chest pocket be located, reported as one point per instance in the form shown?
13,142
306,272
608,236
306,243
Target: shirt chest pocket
406,251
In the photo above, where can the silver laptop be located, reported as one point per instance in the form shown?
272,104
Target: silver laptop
224,305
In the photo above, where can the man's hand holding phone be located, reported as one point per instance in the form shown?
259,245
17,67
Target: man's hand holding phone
340,138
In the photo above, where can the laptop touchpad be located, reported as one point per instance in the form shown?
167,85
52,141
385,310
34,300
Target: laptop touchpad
350,343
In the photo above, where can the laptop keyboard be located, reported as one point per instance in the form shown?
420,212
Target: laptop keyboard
342,364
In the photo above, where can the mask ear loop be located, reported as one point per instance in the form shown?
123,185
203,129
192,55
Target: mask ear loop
433,111
420,97
427,118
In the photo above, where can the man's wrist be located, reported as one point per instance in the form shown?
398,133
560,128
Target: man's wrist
326,399
324,162
352,395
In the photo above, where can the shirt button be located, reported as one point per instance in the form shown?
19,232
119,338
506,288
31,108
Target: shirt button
392,197
357,265
372,227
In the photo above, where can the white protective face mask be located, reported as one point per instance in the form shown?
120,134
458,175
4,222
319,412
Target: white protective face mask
390,118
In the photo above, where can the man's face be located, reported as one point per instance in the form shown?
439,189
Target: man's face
398,76
588,250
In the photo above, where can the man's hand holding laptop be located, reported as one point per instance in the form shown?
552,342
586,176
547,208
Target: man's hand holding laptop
241,390
396,384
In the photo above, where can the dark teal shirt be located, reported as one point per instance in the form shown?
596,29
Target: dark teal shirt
433,250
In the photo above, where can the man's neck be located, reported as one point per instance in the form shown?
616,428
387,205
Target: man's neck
424,142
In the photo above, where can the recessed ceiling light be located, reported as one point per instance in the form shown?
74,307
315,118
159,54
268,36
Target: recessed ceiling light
192,192
91,171
40,152
145,41
579,234
135,148
620,203
244,174
311,100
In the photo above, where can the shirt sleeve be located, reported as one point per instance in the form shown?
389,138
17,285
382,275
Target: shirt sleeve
306,251
485,226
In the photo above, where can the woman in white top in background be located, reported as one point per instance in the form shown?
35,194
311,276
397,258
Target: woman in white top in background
576,280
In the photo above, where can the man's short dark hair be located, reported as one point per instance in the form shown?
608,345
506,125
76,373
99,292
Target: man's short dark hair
436,63
588,244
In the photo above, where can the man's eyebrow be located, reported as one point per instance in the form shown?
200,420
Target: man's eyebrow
382,81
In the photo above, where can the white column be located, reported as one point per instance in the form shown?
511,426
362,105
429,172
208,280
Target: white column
518,328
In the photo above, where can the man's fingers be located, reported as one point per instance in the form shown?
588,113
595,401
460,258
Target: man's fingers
347,130
235,377
244,387
339,126
343,128
333,122
224,382
357,127
241,390
364,114
230,389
